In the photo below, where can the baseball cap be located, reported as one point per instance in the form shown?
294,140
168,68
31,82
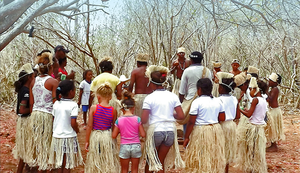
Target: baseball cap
196,55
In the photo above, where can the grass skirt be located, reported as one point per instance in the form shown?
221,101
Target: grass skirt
176,87
23,133
229,130
103,154
68,146
215,90
274,129
205,152
139,99
251,149
149,152
39,145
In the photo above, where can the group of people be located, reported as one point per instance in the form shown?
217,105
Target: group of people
207,103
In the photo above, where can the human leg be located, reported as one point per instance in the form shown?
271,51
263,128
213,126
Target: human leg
124,165
135,165
20,166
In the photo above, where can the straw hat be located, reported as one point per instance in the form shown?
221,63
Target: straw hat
123,78
221,75
273,77
248,77
253,84
240,79
105,58
142,57
181,49
154,68
252,69
235,61
27,69
217,64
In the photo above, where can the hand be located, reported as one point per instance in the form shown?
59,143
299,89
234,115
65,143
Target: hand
78,103
87,146
176,63
186,142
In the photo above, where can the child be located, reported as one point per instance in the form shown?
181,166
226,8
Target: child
204,139
274,130
84,94
232,112
42,95
23,111
158,108
65,153
102,153
129,126
251,137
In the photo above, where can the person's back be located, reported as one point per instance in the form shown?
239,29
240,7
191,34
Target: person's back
140,81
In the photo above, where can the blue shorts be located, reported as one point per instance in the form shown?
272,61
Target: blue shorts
85,108
164,137
128,151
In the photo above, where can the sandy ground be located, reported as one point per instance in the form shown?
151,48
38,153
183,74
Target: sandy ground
287,159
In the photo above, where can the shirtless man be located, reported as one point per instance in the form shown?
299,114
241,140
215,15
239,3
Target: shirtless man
235,67
274,130
217,68
179,65
140,82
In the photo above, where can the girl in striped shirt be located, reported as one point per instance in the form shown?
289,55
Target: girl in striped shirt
102,154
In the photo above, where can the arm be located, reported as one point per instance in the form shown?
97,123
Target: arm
252,108
145,115
181,97
132,81
115,116
142,131
189,129
71,76
174,65
31,99
54,87
74,124
23,109
179,113
238,112
119,90
221,116
115,132
80,96
89,127
91,99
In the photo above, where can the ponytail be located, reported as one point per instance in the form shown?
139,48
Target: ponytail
58,91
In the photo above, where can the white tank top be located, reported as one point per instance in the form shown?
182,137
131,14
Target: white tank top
42,96
258,116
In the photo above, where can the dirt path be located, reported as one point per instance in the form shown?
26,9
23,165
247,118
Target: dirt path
287,159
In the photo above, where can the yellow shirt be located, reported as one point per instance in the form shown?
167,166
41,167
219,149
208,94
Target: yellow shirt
105,77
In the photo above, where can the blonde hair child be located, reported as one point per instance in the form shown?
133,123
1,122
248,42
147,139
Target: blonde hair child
102,153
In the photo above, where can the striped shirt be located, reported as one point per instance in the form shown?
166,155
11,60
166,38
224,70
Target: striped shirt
103,117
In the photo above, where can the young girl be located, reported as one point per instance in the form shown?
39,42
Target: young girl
129,126
158,108
274,130
42,95
23,111
251,139
204,139
102,153
232,112
65,152
84,94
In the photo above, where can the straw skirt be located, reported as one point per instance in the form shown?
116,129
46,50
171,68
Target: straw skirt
205,151
103,153
176,87
172,159
23,133
229,130
139,99
215,90
68,146
251,148
40,142
274,129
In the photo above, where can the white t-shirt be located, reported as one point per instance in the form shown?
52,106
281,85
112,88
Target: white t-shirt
161,103
206,109
189,79
86,87
63,111
230,104
258,116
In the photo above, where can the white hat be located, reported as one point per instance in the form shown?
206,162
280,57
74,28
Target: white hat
217,64
123,78
240,79
142,57
27,69
235,61
273,77
252,69
253,84
181,49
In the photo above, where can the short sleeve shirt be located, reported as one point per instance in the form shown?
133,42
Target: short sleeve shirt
230,105
161,104
105,77
129,129
86,87
63,111
206,109
23,94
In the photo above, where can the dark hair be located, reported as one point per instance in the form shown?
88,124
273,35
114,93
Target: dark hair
45,50
61,60
19,83
279,79
128,101
196,57
158,77
245,69
206,86
263,86
196,60
142,63
64,87
254,75
106,66
230,84
85,72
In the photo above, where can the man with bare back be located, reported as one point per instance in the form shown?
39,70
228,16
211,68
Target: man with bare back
179,65
139,81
